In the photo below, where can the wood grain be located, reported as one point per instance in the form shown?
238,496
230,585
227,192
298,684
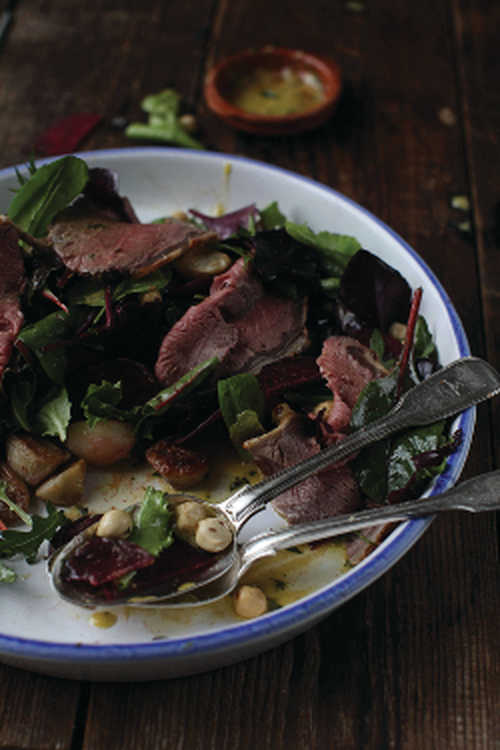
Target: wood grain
412,662
36,712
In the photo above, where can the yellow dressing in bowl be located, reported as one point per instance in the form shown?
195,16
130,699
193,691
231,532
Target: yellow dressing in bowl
285,91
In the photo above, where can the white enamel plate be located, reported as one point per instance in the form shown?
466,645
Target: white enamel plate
40,632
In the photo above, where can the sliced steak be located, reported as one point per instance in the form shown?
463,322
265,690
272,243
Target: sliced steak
362,543
93,242
239,322
347,366
323,495
11,281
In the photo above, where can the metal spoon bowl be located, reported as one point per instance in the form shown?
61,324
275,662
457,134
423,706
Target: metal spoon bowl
479,494
462,384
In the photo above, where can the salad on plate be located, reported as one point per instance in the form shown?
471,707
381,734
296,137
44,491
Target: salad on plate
169,343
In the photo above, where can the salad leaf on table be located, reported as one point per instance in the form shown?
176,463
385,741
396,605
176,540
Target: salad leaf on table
163,121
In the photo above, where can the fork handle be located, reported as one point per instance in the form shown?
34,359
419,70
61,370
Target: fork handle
481,493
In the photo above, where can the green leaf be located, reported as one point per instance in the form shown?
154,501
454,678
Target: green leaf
166,132
14,507
243,407
90,292
402,469
163,121
101,402
375,400
157,406
21,393
27,543
7,575
86,291
271,217
45,339
240,393
246,426
155,281
423,346
161,402
50,189
55,415
377,343
164,104
154,523
336,250
370,465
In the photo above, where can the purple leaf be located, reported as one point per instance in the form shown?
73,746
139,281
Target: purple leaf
228,224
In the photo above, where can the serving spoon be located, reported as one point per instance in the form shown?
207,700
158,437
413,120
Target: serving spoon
461,384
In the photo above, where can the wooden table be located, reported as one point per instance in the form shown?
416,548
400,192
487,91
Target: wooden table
413,662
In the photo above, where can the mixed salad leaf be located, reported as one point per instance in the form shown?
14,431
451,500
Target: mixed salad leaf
164,123
49,189
60,372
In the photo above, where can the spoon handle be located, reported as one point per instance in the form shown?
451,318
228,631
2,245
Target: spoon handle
464,383
481,493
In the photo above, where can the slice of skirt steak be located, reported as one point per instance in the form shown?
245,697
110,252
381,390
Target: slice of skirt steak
93,242
347,366
239,322
326,494
11,281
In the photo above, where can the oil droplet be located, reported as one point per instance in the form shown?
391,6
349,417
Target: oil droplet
103,619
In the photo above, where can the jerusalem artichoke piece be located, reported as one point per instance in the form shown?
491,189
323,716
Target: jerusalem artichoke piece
34,459
182,467
66,488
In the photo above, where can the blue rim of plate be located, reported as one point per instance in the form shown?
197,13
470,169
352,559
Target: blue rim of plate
316,605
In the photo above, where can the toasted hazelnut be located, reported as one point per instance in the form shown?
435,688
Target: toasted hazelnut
180,216
213,535
188,515
398,331
115,523
249,601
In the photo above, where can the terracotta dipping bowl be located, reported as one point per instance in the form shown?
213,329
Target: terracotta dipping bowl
224,79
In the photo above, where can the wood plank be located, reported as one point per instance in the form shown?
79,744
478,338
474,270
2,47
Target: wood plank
36,712
477,25
104,64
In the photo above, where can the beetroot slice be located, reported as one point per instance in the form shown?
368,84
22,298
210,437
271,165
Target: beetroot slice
100,560
288,373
